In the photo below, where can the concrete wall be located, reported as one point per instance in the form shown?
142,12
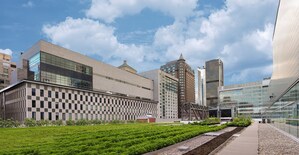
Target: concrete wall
105,77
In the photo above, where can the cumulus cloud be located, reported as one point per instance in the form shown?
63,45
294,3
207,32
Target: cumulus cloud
91,37
109,10
240,33
6,51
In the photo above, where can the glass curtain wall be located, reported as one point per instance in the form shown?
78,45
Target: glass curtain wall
49,68
284,113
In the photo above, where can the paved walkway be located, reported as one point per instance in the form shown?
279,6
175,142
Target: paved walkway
245,144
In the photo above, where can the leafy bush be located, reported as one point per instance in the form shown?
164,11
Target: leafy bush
30,122
9,123
82,122
208,121
240,122
57,122
70,122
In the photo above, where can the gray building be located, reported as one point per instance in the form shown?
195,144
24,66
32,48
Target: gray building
214,79
246,99
57,83
165,92
284,87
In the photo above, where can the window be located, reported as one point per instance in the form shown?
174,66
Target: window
63,105
33,91
81,107
75,106
42,115
70,106
33,104
56,105
70,96
57,116
49,105
56,95
49,94
63,116
70,116
50,116
41,92
75,96
41,104
63,95
33,115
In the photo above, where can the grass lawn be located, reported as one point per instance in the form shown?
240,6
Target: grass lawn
98,139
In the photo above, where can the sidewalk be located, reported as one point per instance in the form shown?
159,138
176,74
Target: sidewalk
245,144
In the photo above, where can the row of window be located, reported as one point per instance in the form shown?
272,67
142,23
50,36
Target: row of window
86,98
81,116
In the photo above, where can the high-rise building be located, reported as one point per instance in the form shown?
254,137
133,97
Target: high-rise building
202,86
186,87
284,85
58,84
245,99
165,92
214,79
6,68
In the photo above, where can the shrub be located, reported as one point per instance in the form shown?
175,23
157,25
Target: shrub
9,123
57,123
70,122
240,122
208,121
30,122
82,122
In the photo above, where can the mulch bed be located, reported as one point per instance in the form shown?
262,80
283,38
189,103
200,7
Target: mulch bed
211,145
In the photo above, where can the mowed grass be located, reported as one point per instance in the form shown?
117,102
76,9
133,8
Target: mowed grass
98,139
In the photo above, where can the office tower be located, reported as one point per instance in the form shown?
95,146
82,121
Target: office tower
186,87
165,92
6,68
59,84
128,68
214,79
202,86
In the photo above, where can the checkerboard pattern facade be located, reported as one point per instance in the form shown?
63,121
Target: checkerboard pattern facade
42,101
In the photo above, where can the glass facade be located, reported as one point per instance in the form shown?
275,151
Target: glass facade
247,99
49,68
284,114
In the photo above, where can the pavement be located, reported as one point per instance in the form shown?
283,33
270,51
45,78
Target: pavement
246,143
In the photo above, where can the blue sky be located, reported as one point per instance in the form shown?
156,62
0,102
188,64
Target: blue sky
148,33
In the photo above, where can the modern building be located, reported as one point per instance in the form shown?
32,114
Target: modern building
214,80
186,87
246,99
283,107
6,69
201,72
165,92
57,83
128,68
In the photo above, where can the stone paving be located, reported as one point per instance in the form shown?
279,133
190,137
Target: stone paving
273,142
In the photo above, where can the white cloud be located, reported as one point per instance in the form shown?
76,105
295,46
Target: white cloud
6,51
109,10
29,4
240,33
94,38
